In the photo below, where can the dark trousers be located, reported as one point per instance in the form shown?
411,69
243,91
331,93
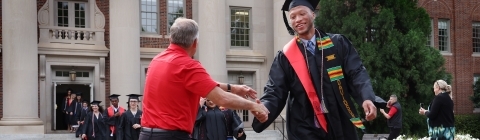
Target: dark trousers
170,135
394,133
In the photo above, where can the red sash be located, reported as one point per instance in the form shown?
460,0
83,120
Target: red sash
297,61
110,112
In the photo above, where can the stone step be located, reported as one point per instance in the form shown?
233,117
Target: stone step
265,135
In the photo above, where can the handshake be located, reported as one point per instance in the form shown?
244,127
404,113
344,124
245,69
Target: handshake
257,109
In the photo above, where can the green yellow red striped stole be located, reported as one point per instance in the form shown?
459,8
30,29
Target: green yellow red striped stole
323,43
358,123
335,73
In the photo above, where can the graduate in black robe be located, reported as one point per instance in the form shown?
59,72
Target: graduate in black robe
95,127
71,109
81,117
130,120
344,77
215,124
113,113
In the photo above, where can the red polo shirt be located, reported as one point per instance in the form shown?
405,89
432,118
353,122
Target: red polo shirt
173,86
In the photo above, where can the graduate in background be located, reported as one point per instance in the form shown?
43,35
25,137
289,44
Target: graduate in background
95,127
214,124
81,117
76,113
71,110
130,120
114,112
65,105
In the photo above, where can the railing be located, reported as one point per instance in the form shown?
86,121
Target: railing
282,130
69,35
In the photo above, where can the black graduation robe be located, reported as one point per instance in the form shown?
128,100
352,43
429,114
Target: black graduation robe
81,117
212,124
95,125
113,121
284,87
126,122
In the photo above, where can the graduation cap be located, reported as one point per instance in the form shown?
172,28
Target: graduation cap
289,4
113,96
95,102
134,96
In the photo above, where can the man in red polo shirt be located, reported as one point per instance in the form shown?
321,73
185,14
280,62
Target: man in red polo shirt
174,84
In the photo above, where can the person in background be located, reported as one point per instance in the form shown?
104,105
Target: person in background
78,109
213,123
65,105
114,112
394,117
174,84
71,110
95,127
440,118
130,120
81,117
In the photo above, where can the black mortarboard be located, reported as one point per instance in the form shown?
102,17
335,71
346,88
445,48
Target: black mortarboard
95,102
289,4
134,96
113,96
85,101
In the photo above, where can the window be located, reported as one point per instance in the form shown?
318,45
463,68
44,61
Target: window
443,34
430,35
476,37
240,26
149,16
476,77
175,10
67,74
72,12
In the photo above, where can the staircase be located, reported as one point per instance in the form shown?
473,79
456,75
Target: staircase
265,135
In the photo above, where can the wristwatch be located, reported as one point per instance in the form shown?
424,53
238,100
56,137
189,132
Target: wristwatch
229,88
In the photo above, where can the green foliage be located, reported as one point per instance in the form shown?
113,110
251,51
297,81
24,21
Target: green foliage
476,94
390,37
468,124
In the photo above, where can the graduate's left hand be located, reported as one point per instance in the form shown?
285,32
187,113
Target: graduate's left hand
135,126
370,110
244,91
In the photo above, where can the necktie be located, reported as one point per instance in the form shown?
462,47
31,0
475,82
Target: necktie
311,47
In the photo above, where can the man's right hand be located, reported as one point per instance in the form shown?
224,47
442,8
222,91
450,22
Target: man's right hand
260,111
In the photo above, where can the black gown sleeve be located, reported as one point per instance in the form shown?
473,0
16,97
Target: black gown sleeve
121,129
275,92
86,125
436,106
237,126
356,73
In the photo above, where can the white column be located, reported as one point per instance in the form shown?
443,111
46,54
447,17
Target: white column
20,68
124,48
212,42
280,33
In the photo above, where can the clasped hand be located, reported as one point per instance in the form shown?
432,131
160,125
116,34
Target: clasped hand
261,113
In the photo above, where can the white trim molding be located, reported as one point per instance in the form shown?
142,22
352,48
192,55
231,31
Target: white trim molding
150,52
245,56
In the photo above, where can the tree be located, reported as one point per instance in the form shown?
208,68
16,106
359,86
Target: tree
390,37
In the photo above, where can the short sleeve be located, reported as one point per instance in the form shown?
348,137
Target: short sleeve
198,81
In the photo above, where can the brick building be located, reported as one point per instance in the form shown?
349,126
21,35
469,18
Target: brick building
456,33
108,44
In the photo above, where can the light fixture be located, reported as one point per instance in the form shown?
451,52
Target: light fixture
73,74
241,78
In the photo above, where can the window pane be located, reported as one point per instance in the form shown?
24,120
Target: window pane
148,15
65,73
86,74
58,73
240,24
175,10
476,37
443,35
62,14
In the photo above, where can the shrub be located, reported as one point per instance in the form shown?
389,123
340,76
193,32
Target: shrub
468,124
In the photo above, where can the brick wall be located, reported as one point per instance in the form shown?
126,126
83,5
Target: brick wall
460,64
104,6
162,42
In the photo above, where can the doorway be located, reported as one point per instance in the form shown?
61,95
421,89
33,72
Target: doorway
60,93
